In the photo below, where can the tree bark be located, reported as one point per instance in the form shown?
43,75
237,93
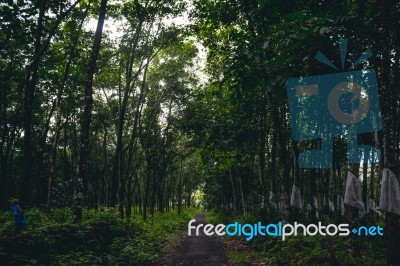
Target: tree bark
87,115
180,189
25,184
116,172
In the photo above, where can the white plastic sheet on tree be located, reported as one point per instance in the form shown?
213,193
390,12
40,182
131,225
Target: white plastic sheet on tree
271,199
325,202
390,192
361,213
315,202
352,195
372,206
331,206
315,206
340,204
295,199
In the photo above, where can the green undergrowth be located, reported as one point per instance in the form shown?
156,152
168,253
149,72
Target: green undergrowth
244,257
302,250
103,238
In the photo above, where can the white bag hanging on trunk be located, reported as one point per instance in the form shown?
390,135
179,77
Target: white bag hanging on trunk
352,195
315,202
271,199
325,202
390,192
371,204
295,198
331,206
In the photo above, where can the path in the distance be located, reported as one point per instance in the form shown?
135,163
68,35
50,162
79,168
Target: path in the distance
199,250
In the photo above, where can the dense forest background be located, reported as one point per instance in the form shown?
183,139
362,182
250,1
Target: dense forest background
120,104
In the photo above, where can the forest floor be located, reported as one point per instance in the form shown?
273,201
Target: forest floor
196,250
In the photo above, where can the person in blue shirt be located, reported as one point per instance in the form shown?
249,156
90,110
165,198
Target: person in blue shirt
19,217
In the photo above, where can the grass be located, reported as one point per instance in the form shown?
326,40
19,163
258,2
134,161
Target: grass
244,257
103,238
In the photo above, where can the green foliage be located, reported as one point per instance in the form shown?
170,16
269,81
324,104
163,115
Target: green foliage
243,257
7,224
36,218
103,238
301,250
60,215
79,258
138,251
104,214
218,217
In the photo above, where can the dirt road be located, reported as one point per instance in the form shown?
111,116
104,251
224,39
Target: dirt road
198,250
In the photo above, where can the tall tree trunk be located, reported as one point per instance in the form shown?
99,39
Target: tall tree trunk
87,115
388,111
233,193
39,197
296,177
351,215
283,171
371,183
180,190
25,184
261,152
365,182
116,172
242,193
7,136
273,159
146,194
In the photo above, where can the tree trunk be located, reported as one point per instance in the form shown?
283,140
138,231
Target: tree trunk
233,193
146,195
283,171
87,115
242,194
388,111
351,214
261,153
25,184
296,178
180,189
365,183
116,172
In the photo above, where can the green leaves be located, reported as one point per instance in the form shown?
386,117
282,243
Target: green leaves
102,239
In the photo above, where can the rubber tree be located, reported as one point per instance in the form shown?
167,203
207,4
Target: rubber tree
86,116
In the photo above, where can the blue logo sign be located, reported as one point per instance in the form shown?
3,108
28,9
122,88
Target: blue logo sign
339,104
